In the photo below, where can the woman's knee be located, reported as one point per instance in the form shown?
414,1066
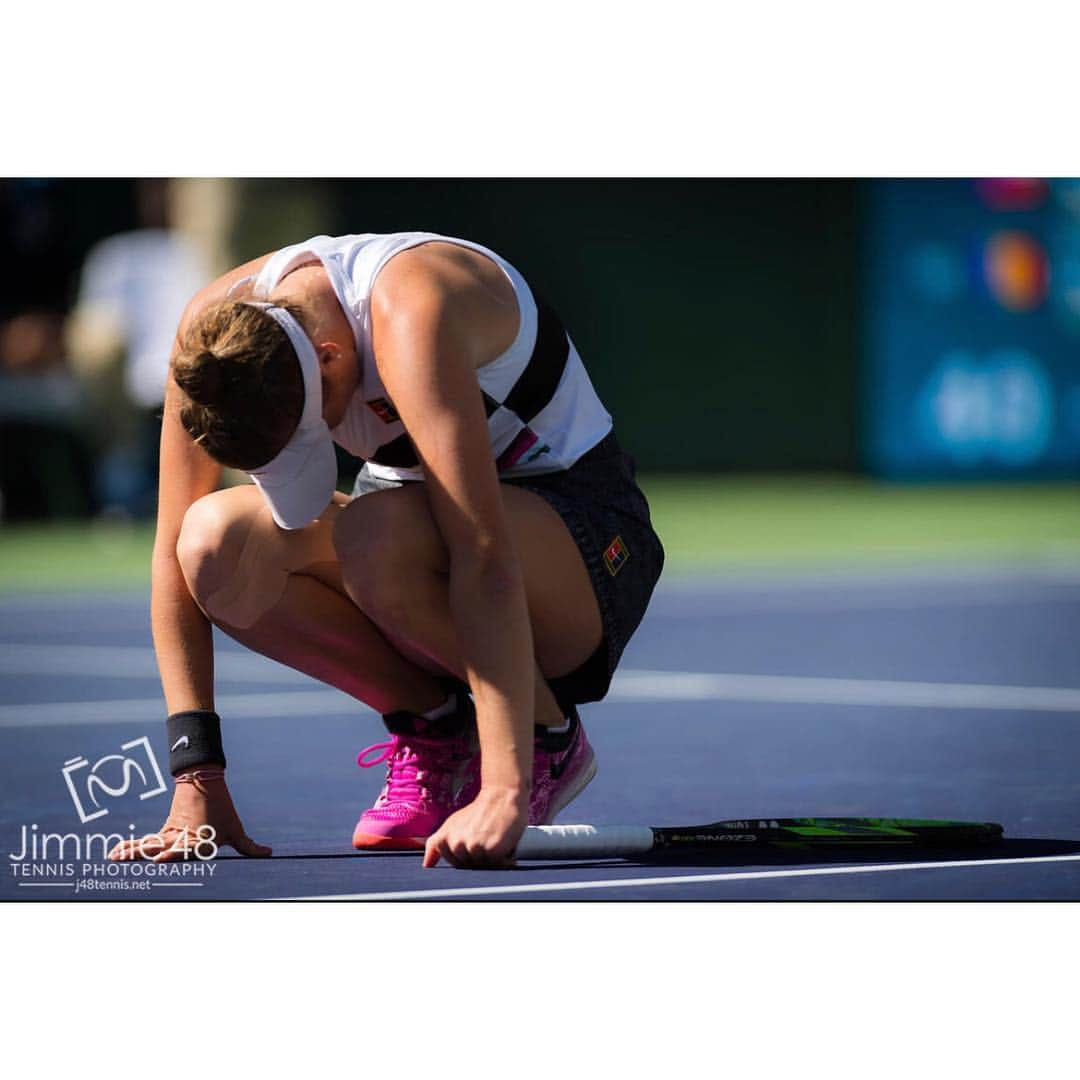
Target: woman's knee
382,540
212,540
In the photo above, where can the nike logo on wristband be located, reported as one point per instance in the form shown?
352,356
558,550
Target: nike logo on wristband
182,741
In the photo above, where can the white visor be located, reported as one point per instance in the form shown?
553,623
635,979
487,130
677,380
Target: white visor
300,481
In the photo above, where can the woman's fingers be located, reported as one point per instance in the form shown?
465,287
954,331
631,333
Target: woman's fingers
179,842
188,844
171,843
143,847
480,858
126,849
246,846
173,853
476,837
436,849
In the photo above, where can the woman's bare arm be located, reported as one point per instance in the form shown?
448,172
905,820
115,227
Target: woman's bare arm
432,330
182,636
183,641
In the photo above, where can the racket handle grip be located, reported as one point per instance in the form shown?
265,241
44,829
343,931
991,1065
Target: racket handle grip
584,841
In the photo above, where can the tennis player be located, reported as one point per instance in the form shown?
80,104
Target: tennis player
479,583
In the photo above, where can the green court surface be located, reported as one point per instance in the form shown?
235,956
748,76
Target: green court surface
709,524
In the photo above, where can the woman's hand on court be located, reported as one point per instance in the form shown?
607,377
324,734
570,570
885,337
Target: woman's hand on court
196,810
483,834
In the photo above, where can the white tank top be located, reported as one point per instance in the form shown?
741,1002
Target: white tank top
543,413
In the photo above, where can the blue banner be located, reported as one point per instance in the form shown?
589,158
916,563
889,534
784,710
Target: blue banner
972,329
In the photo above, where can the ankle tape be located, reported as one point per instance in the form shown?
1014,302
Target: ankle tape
557,740
407,723
454,723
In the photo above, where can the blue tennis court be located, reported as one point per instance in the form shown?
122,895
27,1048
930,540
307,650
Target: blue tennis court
951,693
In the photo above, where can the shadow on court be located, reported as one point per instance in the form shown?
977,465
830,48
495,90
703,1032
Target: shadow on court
820,855
793,856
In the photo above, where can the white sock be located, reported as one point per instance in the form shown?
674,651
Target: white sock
445,709
562,729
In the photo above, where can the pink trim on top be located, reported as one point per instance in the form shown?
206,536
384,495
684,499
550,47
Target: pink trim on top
524,441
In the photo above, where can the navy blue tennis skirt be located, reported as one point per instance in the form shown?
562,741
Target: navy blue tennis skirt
608,516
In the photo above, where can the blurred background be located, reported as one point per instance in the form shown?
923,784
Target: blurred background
809,372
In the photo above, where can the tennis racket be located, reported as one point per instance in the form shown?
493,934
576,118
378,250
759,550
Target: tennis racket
623,841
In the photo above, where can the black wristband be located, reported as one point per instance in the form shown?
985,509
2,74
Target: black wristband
194,739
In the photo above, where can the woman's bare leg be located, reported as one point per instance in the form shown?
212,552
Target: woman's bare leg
395,565
360,598
280,594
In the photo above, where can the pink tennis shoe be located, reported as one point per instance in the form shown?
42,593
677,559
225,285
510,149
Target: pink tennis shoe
433,769
563,764
426,764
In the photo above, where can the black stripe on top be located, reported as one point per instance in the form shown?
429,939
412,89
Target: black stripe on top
400,452
537,384
532,392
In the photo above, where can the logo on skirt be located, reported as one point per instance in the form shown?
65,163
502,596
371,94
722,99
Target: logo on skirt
615,556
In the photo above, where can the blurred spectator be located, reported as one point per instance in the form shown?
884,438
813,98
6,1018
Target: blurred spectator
45,464
133,290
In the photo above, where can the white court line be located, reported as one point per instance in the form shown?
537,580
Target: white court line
686,879
137,661
634,686
813,690
284,703
722,604
132,662
1060,568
